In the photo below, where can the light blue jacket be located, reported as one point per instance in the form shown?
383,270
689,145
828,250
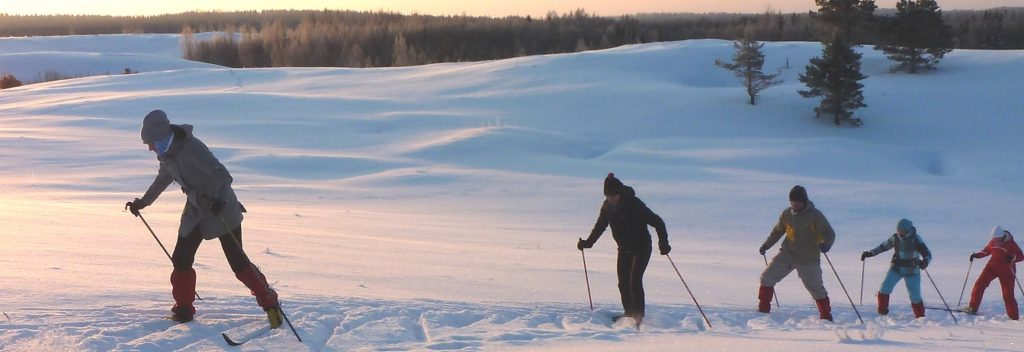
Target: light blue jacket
905,258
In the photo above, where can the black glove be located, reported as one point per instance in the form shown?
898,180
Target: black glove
584,244
923,264
762,250
824,248
973,256
134,206
866,254
216,206
1010,259
664,248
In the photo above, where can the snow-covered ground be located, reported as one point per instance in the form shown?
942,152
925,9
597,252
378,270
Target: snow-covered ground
31,59
437,207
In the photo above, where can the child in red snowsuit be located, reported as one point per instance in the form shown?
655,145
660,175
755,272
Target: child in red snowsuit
1005,253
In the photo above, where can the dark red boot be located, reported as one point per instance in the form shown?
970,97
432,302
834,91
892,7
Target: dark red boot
266,297
183,289
824,309
764,299
883,304
918,309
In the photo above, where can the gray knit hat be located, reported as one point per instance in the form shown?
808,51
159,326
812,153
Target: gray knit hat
155,126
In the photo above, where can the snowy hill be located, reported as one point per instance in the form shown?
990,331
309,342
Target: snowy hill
437,207
31,58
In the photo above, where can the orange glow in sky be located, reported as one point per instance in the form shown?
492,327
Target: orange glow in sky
448,7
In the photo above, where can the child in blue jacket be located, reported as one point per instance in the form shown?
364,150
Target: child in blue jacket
905,264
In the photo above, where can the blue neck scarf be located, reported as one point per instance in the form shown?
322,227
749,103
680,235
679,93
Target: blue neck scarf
163,146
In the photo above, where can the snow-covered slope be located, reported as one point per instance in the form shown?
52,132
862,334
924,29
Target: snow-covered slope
438,207
31,59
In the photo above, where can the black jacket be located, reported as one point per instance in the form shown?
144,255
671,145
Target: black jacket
629,220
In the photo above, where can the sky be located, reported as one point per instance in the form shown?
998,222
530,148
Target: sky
440,7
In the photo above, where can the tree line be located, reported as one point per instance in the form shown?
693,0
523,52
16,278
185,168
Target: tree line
366,39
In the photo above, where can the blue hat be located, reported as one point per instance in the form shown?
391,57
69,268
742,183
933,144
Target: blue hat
906,226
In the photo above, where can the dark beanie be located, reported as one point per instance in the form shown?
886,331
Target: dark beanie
612,185
155,126
798,193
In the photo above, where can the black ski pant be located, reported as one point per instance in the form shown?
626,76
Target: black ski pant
185,250
631,267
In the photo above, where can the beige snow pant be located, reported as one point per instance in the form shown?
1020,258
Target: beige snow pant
810,274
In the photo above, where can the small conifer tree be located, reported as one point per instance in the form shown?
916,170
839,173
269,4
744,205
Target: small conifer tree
746,64
917,38
835,76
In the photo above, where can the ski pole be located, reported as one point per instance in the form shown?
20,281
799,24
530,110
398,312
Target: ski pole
862,264
1018,280
961,300
587,277
239,244
161,244
688,291
844,287
777,305
940,296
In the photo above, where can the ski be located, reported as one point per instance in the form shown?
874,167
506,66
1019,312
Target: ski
248,337
259,332
962,310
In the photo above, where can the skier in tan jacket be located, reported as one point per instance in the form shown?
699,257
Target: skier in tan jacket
807,235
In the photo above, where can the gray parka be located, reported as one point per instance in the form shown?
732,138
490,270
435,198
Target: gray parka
202,178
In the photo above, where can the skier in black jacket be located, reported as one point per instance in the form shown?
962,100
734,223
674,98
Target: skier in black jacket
628,217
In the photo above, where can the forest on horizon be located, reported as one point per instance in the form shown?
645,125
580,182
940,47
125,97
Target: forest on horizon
374,39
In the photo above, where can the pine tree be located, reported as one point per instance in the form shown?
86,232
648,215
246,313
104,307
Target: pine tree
852,19
918,36
835,77
746,64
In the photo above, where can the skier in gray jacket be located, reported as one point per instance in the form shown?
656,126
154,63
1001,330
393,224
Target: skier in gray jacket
211,211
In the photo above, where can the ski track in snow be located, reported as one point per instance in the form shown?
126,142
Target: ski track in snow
368,324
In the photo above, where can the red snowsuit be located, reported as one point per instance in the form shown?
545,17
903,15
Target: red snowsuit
1002,265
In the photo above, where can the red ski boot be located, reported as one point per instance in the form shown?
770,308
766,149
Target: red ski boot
183,288
266,297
